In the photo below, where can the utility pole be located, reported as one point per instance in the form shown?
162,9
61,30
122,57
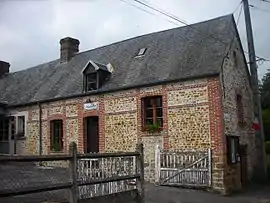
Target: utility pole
260,170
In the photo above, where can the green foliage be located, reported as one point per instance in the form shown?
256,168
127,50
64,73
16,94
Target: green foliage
153,128
265,90
266,123
265,100
267,147
56,147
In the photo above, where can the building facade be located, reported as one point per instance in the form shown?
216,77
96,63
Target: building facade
205,103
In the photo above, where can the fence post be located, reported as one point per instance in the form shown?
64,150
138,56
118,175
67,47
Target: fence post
157,164
210,166
73,173
140,168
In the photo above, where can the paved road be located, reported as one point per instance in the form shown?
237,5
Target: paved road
162,194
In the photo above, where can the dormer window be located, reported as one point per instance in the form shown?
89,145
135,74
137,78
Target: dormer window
95,75
91,82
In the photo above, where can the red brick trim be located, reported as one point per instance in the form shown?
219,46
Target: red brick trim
101,124
81,139
215,115
139,114
120,97
183,87
90,113
165,118
154,93
121,112
188,105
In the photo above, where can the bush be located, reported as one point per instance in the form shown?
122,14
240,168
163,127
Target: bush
267,147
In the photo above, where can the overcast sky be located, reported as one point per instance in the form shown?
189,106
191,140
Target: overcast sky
30,30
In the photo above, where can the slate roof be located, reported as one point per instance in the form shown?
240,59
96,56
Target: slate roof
174,54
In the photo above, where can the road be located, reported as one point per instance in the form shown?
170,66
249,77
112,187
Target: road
163,194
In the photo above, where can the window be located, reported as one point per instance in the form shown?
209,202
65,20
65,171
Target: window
21,126
152,111
4,129
240,109
57,135
17,127
91,82
232,149
141,52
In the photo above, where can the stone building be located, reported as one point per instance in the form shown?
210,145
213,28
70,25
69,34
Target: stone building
178,88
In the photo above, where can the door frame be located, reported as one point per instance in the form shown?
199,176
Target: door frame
85,136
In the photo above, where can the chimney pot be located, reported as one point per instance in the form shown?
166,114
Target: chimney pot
68,47
4,68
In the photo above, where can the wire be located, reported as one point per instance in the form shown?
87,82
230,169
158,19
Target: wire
266,1
185,23
238,18
260,9
146,11
177,19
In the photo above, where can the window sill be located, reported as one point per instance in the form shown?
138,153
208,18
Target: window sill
56,152
21,138
158,133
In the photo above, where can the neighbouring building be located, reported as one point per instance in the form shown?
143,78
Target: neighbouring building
184,88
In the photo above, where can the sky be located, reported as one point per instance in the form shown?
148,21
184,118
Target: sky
30,30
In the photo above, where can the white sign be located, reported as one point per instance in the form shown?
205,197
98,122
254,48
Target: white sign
91,106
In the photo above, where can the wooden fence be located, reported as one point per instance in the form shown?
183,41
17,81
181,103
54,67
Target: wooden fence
91,176
183,168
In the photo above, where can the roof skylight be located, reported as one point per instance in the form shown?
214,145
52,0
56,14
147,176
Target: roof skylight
141,52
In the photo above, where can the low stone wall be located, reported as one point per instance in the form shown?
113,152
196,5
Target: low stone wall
150,143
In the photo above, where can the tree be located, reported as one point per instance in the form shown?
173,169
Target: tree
266,123
265,99
265,91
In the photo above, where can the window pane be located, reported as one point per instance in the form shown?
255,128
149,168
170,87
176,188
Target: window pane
57,135
159,112
91,78
5,129
158,101
91,82
159,122
147,103
149,113
21,125
91,86
148,121
232,150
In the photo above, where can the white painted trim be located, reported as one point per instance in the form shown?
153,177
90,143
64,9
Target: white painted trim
92,63
21,113
110,67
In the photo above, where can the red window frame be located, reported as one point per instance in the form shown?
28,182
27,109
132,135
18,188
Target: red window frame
152,111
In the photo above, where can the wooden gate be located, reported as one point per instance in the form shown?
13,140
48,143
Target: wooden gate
185,168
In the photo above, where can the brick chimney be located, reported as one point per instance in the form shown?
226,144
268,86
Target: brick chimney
4,68
68,47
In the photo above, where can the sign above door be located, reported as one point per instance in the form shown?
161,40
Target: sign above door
91,106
